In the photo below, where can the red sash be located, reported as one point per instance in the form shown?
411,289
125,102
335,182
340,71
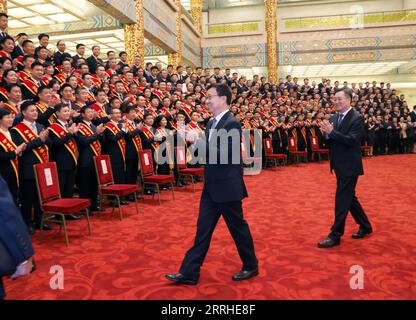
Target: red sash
9,146
12,108
149,135
70,145
159,94
87,131
195,127
42,152
152,111
121,142
277,125
140,114
91,96
31,86
136,139
23,75
100,110
61,78
42,109
168,148
187,110
3,92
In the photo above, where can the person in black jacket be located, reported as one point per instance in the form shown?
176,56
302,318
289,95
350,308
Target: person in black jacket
223,192
89,140
9,153
133,146
64,151
116,145
37,151
345,136
14,238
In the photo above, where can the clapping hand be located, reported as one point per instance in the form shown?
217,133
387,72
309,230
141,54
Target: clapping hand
20,149
44,135
100,129
327,127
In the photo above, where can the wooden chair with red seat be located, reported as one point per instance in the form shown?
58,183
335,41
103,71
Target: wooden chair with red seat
47,183
148,174
248,160
270,156
107,187
183,170
367,150
294,152
316,150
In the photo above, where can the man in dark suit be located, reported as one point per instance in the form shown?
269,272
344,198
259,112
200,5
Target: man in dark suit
64,151
37,151
89,140
95,60
223,192
345,135
14,238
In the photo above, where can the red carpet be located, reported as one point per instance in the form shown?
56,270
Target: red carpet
289,210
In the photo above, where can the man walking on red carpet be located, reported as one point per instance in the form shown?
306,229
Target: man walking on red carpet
344,134
223,191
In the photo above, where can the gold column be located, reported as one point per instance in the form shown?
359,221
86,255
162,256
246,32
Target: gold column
175,58
271,30
134,35
196,14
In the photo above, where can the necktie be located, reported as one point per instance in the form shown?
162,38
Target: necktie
214,124
33,126
340,118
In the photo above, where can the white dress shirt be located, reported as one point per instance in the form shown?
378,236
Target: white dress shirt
217,119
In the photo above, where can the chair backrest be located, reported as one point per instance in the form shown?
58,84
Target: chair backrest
314,143
146,162
180,157
268,147
292,144
103,170
47,182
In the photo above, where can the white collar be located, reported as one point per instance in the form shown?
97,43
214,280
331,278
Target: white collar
346,112
29,123
219,117
62,123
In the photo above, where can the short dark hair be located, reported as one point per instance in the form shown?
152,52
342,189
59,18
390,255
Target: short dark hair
224,90
121,53
347,92
85,108
42,35
26,42
4,112
130,108
26,105
79,45
4,15
60,106
35,64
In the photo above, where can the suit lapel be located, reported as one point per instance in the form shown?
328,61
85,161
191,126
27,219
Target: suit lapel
346,121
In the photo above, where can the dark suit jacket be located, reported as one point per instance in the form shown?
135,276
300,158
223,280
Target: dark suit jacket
86,155
112,147
92,64
59,153
28,158
224,182
57,58
13,231
345,145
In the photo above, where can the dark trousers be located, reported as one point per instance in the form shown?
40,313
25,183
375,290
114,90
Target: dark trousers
29,199
209,213
66,183
118,173
88,185
132,170
346,201
2,292
10,178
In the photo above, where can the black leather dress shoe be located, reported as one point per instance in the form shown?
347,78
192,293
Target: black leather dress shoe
245,274
328,243
97,209
361,234
72,217
124,203
181,279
